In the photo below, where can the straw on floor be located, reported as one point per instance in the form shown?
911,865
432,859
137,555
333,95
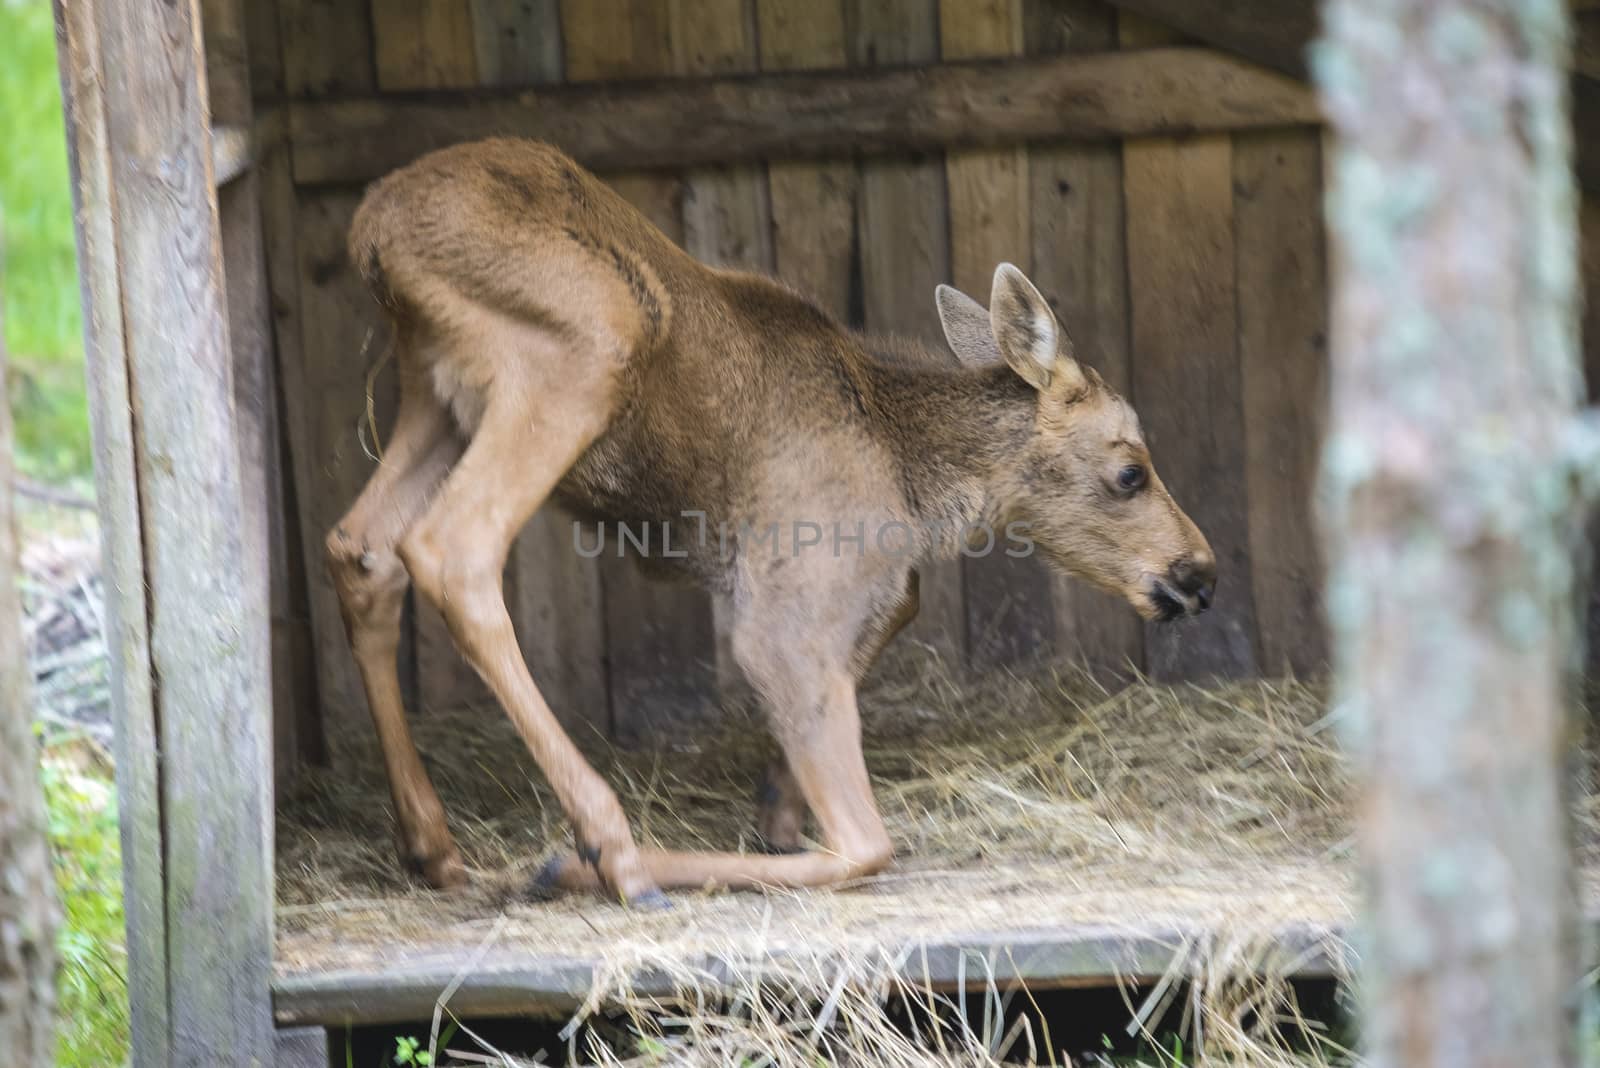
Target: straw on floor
1016,801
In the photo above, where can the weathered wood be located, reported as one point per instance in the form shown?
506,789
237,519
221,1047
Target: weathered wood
255,424
301,1047
727,219
1283,345
660,640
127,620
1006,599
295,629
518,41
265,52
325,383
430,44
553,592
1454,505
605,40
250,343
209,633
1080,260
903,223
1275,33
27,892
1186,382
423,44
732,119
813,203
506,982
327,48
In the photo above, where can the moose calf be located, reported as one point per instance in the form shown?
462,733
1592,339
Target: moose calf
551,342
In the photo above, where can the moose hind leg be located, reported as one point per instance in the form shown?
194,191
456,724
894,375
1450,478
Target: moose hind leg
371,583
529,436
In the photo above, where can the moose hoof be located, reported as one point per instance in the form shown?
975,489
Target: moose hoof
650,901
546,885
443,871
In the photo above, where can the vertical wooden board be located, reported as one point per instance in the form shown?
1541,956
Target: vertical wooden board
117,495
553,591
903,225
429,44
518,42
340,339
801,34
209,640
298,542
255,419
265,49
1283,356
660,639
616,40
1080,262
327,47
1590,248
813,204
424,44
1186,382
555,599
1007,599
726,218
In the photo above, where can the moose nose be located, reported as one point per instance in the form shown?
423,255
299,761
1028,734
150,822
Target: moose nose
1196,576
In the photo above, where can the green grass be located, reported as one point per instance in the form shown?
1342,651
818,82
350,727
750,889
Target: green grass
43,326
92,1014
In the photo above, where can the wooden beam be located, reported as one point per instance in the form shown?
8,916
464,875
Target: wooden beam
734,118
165,411
508,982
1276,33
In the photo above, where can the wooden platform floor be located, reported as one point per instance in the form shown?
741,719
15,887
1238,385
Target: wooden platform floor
1045,925
1047,832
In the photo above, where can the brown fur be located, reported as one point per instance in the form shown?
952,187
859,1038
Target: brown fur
550,341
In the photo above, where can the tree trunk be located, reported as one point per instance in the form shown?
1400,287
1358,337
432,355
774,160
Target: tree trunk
27,891
1453,506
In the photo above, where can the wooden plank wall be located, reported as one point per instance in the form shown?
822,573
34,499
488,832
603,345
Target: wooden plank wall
1188,270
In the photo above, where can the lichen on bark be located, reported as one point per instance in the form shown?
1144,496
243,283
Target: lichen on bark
1453,490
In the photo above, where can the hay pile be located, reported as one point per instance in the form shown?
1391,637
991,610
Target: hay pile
1017,803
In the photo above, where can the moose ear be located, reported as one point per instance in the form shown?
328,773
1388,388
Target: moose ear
1028,336
966,328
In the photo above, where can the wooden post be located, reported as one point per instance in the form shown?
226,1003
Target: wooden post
189,628
1454,474
27,891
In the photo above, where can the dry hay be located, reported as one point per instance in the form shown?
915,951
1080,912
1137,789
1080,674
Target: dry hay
1018,803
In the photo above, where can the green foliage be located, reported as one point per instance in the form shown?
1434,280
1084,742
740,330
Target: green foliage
92,1017
409,1051
43,330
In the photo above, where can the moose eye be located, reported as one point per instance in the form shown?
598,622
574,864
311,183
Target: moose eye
1131,477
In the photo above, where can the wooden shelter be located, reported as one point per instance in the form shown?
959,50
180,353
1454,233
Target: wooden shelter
1155,165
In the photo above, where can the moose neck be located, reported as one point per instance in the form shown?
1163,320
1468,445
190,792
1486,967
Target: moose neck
950,429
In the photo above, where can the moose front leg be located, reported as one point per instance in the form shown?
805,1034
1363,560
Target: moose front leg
780,803
816,720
